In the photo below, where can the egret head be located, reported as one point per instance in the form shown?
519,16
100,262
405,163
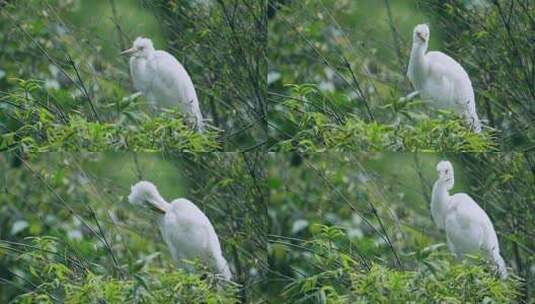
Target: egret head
421,34
145,194
445,173
141,48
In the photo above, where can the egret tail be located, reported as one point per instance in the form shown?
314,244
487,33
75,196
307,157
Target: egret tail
500,264
200,123
473,121
223,269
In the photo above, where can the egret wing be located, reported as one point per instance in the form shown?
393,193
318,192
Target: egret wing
453,72
172,79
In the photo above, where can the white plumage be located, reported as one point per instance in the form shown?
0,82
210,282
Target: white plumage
163,80
468,227
185,229
439,77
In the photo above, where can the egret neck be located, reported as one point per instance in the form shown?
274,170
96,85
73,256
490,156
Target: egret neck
440,199
158,204
417,68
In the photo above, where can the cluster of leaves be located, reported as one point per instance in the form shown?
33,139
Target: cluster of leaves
41,127
57,276
343,277
317,130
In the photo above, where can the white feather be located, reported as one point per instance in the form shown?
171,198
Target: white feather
185,229
163,80
468,227
438,77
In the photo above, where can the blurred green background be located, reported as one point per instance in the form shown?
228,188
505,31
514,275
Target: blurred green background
97,19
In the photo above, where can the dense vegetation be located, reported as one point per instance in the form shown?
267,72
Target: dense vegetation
315,131
356,228
348,225
348,61
63,85
67,233
343,228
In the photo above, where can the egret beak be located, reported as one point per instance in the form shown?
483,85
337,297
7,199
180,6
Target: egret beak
420,36
129,51
157,209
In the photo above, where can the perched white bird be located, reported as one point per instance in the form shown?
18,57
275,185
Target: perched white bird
163,80
468,228
185,229
438,77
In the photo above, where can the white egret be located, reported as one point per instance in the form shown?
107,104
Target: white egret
468,227
163,80
438,77
185,229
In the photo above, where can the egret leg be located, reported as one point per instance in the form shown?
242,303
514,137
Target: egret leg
410,96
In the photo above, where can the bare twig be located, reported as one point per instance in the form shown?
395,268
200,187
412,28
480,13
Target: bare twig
71,62
395,35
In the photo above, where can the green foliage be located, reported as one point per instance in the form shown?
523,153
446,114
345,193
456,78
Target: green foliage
316,130
337,218
437,281
43,128
342,278
56,282
78,201
502,73
356,54
72,50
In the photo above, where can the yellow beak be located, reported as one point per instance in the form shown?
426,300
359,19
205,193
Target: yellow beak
157,209
129,51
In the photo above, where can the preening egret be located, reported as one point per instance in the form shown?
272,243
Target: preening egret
468,227
185,229
439,77
163,80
